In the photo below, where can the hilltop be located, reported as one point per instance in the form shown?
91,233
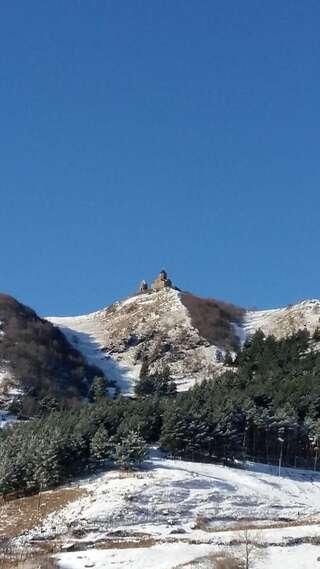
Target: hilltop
165,326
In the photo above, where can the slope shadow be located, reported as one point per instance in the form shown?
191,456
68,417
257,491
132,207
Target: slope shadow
92,352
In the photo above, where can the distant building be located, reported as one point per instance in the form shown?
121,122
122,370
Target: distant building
161,281
143,286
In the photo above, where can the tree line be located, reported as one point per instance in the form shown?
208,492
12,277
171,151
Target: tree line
265,407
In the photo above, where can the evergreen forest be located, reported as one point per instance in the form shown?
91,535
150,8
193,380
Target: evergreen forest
264,407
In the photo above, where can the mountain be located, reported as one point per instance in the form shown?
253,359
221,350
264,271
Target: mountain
56,358
162,325
38,366
282,322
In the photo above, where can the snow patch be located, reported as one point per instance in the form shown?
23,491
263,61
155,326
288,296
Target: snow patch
6,418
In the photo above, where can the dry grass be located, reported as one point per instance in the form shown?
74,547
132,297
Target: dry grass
213,319
201,522
270,525
214,561
23,514
143,542
11,559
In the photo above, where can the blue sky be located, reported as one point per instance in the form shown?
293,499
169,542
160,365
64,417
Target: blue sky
137,135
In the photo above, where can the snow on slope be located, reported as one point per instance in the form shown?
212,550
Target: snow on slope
283,321
156,325
9,389
170,494
6,418
87,334
162,503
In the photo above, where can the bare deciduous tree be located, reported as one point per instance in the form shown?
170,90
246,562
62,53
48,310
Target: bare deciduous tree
250,547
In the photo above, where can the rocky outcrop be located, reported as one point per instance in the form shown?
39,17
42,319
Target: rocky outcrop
161,281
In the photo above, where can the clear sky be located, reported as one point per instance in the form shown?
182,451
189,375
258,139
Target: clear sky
137,135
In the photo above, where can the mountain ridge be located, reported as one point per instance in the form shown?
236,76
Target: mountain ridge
175,328
160,326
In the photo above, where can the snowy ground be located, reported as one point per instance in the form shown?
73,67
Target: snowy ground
180,555
9,390
180,511
6,418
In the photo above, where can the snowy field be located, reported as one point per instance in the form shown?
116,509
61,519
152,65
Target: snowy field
173,512
187,556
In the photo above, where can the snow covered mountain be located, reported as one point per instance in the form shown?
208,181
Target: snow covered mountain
160,325
165,326
283,321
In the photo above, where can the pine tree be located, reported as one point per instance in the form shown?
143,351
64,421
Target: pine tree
6,472
228,359
47,472
174,432
313,431
145,386
158,383
196,436
285,421
130,452
100,446
144,371
98,389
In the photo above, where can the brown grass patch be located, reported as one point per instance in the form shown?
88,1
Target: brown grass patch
213,319
127,543
214,561
10,559
23,514
268,525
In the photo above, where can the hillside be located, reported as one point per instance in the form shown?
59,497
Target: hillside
161,325
281,322
165,326
182,506
172,513
38,366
